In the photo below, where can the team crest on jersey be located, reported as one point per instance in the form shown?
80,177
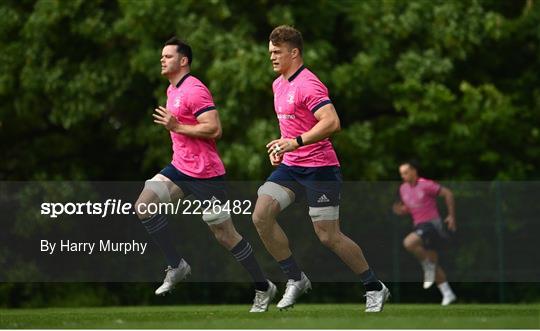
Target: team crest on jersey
290,97
176,103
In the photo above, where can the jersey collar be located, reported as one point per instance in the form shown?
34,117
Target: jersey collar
296,73
183,79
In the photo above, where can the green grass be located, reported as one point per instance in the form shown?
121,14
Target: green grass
336,316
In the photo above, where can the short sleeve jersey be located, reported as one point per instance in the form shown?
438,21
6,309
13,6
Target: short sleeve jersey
295,101
421,199
195,157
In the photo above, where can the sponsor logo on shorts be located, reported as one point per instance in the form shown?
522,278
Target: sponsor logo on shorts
323,198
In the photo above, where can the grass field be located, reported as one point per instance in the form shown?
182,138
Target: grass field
337,316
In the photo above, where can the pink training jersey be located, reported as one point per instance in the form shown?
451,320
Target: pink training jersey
195,157
295,101
421,199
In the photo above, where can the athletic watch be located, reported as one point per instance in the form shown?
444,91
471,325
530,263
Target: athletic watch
299,141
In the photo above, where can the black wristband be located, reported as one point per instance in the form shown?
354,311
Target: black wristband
299,141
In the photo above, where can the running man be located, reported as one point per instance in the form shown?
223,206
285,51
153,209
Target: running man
419,198
196,168
307,165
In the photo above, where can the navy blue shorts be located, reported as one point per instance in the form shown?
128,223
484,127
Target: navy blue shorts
320,185
433,234
202,188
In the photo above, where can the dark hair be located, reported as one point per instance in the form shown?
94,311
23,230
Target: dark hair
413,164
287,34
181,48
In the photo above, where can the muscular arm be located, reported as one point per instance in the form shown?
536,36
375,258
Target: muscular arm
209,126
449,200
450,206
328,124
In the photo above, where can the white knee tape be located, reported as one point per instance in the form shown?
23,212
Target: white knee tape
158,186
277,192
330,213
212,218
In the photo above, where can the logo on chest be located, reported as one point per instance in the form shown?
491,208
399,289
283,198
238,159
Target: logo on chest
414,198
290,97
285,105
176,102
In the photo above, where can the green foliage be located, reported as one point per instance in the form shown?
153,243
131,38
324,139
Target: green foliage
454,84
450,83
